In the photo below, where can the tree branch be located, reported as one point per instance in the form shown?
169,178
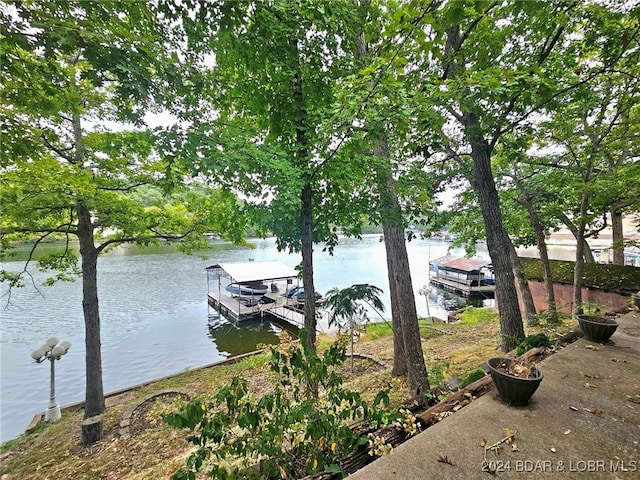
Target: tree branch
564,90
122,189
373,88
59,151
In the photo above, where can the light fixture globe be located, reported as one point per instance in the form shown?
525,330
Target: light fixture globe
58,351
51,351
39,353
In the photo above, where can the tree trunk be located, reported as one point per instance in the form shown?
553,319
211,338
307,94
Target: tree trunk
578,271
94,390
399,360
405,319
617,233
395,246
544,260
94,401
498,242
587,254
306,215
388,202
525,292
306,223
91,429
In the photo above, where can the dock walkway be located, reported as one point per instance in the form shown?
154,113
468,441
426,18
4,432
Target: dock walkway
282,308
463,288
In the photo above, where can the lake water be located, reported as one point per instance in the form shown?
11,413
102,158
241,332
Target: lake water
154,316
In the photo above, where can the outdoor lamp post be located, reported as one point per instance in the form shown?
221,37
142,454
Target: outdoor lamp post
51,351
425,290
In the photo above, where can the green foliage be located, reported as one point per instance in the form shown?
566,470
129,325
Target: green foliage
470,377
378,330
614,278
548,317
437,374
475,316
533,341
286,433
345,305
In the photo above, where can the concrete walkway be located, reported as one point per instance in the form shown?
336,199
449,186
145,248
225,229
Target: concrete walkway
583,422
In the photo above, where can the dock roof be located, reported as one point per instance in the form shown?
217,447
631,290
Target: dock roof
243,272
463,264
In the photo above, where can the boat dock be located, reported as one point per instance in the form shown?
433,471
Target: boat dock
464,276
282,308
237,307
463,288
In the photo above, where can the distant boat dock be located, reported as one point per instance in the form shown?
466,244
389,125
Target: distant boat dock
465,276
278,276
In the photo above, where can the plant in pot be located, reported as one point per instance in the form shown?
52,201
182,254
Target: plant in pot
515,381
597,329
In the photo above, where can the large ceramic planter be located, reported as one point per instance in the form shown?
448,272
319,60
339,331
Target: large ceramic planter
513,390
597,329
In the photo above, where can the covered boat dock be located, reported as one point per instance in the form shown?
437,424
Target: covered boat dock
278,276
466,276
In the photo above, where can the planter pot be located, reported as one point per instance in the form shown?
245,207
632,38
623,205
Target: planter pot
513,390
597,329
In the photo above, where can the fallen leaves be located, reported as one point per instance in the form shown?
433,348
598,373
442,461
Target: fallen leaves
445,459
509,436
595,411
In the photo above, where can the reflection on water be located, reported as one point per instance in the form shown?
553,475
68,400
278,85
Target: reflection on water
234,338
450,301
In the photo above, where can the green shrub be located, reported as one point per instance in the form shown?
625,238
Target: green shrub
533,341
289,432
470,377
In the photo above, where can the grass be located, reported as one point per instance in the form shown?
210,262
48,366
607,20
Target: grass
54,451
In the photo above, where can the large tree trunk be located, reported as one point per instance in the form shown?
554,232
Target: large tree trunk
306,224
306,216
388,202
498,242
94,390
617,233
405,319
94,401
412,344
399,360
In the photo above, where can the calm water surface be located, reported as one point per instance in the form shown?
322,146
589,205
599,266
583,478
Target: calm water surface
154,316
